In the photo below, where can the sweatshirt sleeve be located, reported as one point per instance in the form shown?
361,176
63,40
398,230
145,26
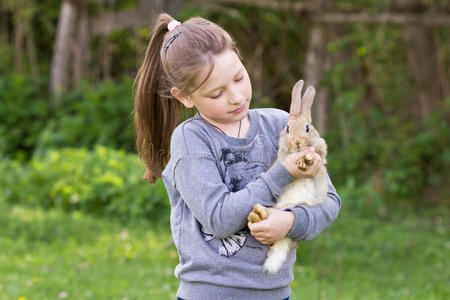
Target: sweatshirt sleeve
310,221
220,211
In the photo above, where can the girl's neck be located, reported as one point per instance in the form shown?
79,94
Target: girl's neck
237,130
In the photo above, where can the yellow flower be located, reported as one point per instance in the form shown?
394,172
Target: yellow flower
113,163
22,298
110,178
67,189
54,156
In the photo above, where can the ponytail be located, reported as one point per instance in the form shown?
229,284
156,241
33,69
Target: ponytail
156,113
187,50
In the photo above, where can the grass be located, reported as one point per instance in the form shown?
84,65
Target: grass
56,255
403,257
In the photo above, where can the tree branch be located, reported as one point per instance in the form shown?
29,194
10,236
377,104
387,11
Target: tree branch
314,11
393,18
118,20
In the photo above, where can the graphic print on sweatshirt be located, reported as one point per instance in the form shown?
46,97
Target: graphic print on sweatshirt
239,171
229,245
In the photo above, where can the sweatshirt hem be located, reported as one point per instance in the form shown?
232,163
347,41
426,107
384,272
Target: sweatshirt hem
201,291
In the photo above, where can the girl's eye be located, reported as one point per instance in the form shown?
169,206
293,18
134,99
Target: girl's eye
307,128
215,97
240,78
287,129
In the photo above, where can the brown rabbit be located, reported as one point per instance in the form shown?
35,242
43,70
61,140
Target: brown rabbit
295,137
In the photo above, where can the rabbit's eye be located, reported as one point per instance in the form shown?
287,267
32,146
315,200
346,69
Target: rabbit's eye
307,128
287,129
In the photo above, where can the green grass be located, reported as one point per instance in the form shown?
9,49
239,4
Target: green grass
55,255
46,254
403,257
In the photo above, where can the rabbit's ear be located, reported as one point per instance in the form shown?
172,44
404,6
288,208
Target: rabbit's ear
296,101
307,101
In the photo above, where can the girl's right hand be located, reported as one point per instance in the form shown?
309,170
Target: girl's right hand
291,163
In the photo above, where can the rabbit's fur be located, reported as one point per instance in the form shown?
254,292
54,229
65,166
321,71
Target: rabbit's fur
302,191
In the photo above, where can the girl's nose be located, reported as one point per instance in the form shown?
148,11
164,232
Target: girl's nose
235,97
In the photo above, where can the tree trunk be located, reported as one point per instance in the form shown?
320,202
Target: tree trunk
314,71
31,52
4,34
106,58
61,52
18,39
423,63
82,42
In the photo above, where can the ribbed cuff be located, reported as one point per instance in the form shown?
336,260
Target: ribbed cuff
301,222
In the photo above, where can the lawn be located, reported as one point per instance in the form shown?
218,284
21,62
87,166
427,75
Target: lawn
56,255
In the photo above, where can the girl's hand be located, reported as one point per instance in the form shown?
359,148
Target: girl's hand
274,228
291,163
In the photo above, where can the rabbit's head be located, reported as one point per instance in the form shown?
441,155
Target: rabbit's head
299,132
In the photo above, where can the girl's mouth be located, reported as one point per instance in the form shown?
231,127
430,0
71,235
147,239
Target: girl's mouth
240,109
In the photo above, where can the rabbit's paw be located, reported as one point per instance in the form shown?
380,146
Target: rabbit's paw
304,163
258,213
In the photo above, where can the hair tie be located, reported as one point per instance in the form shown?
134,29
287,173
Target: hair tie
172,25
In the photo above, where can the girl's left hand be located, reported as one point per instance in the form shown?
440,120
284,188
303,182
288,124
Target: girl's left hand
274,228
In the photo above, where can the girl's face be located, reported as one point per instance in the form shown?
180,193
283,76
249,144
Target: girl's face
225,97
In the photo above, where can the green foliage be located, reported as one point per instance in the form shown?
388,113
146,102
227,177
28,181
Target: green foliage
89,115
375,146
24,108
102,181
376,150
422,160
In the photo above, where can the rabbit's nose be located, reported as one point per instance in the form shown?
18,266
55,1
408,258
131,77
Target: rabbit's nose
298,144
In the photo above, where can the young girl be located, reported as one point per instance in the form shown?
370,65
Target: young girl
219,164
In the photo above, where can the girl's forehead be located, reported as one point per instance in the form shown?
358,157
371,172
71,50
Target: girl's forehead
225,66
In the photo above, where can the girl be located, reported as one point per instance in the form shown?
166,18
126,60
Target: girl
218,166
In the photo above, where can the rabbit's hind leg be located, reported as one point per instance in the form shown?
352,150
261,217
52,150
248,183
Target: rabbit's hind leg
277,256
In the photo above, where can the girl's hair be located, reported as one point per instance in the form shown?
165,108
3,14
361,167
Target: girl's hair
173,59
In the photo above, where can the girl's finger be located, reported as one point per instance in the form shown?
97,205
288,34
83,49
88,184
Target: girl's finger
254,227
258,227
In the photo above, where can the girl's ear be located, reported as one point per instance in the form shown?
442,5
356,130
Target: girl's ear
183,99
307,101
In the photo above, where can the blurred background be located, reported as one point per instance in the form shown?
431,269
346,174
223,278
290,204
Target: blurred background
78,222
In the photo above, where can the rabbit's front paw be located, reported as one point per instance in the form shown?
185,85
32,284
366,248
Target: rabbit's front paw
304,163
258,213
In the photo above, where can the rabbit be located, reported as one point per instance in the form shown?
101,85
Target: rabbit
295,137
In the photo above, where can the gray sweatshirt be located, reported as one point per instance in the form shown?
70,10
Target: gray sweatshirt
213,181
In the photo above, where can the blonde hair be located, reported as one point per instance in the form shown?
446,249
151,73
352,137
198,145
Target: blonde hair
173,59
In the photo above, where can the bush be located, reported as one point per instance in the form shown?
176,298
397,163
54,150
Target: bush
23,111
90,115
376,144
102,181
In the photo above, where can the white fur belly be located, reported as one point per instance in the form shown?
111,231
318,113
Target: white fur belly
305,193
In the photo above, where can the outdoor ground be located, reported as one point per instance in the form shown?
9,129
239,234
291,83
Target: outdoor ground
55,255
